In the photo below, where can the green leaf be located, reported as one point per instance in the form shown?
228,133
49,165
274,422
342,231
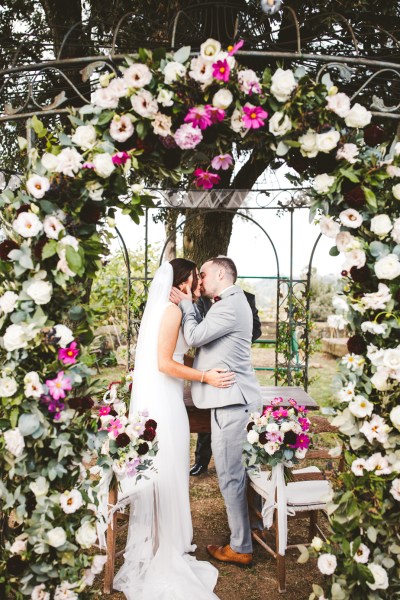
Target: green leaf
74,260
49,249
334,251
64,139
105,117
48,207
350,175
182,54
28,423
76,313
370,198
378,249
38,127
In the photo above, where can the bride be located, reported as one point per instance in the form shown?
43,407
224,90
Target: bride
157,560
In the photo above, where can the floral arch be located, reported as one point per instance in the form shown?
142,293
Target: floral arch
178,117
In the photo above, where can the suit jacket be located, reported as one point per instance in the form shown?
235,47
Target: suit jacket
224,340
204,304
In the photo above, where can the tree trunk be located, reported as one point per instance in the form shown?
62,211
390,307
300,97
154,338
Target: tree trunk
170,232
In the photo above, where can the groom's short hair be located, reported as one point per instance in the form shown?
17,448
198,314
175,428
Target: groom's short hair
227,264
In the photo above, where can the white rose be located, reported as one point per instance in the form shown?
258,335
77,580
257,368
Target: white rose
165,97
8,387
37,186
39,487
391,358
282,84
381,580
56,537
252,437
222,99
381,225
121,128
323,183
279,124
396,231
348,152
104,98
18,547
86,535
15,338
71,501
327,564
52,227
69,162
27,225
210,49
84,136
387,267
346,242
64,334
8,302
360,407
308,144
14,441
396,191
327,141
339,104
137,75
173,70
351,218
329,227
39,593
40,291
317,543
49,161
358,117
103,164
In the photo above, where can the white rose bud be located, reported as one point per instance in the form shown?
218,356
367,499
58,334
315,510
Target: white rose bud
279,124
387,267
222,99
84,137
8,302
56,537
103,165
40,291
86,535
317,543
358,117
323,183
252,437
381,225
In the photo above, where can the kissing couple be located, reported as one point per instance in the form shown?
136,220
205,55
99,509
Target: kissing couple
158,563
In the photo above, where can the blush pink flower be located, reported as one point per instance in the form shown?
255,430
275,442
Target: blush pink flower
233,49
222,161
88,165
221,70
253,117
216,114
274,436
302,441
205,179
276,401
281,413
114,427
104,411
188,137
120,158
68,355
199,116
58,386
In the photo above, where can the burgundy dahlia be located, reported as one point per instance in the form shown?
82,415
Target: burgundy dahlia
6,247
149,434
143,448
374,135
290,438
355,197
15,565
263,437
91,213
122,440
357,344
250,426
150,424
360,275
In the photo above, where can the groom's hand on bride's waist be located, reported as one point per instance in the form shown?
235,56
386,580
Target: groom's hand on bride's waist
176,295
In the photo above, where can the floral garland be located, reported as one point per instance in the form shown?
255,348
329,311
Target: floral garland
187,120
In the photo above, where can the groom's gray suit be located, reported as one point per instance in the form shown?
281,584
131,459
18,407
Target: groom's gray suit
224,341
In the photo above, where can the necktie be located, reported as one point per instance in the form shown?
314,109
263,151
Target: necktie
217,298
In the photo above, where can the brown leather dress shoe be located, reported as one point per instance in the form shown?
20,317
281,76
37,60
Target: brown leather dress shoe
226,554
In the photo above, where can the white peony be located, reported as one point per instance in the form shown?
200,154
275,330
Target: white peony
339,104
358,117
395,489
33,387
69,162
65,591
372,327
144,104
56,537
381,225
249,82
322,184
173,71
52,227
8,387
165,97
104,98
381,580
222,99
37,186
14,441
103,164
137,76
396,191
86,535
39,487
210,49
308,144
8,302
346,242
360,407
327,141
252,436
84,137
348,152
362,554
329,227
27,224
351,218
396,231
358,467
327,564
282,84
64,334
40,291
16,337
39,593
387,267
121,128
377,300
71,501
201,71
49,161
279,124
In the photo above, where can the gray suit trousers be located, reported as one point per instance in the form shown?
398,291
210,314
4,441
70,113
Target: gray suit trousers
228,427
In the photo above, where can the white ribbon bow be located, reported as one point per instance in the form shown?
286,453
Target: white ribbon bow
278,490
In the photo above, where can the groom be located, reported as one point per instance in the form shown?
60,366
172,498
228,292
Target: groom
224,341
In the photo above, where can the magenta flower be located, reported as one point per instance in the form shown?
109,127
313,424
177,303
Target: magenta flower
293,402
233,49
305,423
88,165
267,410
120,158
222,161
205,179
302,441
276,401
68,355
58,386
114,426
221,70
253,117
281,413
216,114
56,407
199,116
104,410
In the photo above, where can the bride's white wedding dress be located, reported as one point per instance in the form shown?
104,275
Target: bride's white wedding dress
157,564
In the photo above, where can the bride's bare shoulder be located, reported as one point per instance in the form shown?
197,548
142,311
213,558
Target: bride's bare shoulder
172,311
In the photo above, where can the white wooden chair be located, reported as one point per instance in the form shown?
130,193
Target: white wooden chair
306,497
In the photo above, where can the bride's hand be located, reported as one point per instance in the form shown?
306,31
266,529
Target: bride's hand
219,378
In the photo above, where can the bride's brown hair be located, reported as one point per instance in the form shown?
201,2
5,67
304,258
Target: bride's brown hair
182,270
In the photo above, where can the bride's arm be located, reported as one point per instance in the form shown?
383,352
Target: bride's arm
167,339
